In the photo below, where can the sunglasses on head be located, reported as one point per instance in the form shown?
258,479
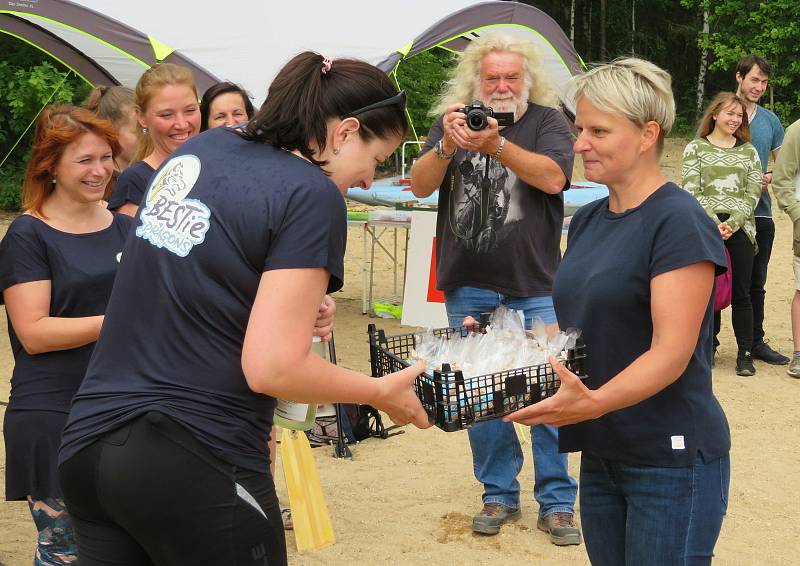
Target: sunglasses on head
398,99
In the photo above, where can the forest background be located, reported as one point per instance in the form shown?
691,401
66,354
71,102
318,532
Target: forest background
697,41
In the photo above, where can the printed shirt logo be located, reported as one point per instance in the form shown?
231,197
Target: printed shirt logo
482,225
170,220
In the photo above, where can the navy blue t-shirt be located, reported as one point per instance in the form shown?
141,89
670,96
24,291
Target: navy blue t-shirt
81,269
217,214
603,288
131,185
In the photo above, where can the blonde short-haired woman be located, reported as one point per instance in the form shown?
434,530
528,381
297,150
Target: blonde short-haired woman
636,278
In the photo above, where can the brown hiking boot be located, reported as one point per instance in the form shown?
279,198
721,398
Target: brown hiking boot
561,527
794,366
491,518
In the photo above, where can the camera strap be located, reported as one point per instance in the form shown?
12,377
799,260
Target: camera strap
485,187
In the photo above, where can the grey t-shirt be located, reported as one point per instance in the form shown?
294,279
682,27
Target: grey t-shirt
507,241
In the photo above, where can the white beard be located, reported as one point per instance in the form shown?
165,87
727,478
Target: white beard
508,103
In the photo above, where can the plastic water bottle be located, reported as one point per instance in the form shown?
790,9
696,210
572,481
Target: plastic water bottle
299,416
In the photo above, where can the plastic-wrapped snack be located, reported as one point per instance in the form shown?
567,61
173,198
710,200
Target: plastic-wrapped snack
482,357
538,331
556,343
573,334
508,320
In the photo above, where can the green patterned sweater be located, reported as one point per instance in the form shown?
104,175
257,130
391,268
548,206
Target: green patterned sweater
724,181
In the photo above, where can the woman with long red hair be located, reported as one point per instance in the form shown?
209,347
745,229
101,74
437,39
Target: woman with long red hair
57,265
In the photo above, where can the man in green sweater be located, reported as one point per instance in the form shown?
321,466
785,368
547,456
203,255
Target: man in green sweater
786,186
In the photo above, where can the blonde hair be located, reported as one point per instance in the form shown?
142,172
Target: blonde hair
634,88
461,86
111,103
153,79
723,99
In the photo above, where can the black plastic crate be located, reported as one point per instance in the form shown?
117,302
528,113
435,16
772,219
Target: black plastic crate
454,402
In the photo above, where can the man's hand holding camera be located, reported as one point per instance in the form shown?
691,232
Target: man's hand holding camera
458,134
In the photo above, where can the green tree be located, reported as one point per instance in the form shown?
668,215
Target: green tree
770,29
662,31
423,77
29,80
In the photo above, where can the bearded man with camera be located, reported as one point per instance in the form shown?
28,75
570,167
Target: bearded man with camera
497,242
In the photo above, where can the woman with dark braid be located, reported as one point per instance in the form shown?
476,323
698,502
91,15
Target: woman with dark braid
164,459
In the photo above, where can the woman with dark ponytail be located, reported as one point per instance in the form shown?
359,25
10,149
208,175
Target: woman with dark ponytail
164,459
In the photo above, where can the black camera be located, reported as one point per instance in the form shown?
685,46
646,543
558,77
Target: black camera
477,115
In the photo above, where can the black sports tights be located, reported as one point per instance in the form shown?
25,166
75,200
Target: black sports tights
741,250
149,493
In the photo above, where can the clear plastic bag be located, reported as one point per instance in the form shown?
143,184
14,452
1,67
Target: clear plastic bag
505,345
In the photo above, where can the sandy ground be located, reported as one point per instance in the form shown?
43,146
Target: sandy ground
409,499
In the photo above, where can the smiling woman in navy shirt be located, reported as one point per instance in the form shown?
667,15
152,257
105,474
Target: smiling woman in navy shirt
637,277
57,265
164,459
168,115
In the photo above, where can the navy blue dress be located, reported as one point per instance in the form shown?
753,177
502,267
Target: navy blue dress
81,269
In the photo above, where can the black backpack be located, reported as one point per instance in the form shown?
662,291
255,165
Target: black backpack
359,422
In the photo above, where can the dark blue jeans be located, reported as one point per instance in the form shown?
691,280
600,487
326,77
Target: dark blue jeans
634,515
765,235
496,454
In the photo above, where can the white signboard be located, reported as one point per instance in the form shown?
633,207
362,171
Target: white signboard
423,305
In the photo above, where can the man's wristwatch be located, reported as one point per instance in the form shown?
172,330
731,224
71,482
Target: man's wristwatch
438,149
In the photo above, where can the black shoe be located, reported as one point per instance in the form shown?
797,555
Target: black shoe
763,352
744,364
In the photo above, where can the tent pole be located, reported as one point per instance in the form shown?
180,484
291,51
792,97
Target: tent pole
393,75
19,139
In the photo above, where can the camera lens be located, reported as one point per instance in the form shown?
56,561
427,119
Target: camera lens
476,119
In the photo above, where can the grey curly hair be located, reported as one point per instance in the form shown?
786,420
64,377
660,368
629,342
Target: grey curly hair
460,88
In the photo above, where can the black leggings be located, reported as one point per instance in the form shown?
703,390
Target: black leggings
149,493
765,235
741,250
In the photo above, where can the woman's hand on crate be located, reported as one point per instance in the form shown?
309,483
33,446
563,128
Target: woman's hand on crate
397,398
323,326
573,403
